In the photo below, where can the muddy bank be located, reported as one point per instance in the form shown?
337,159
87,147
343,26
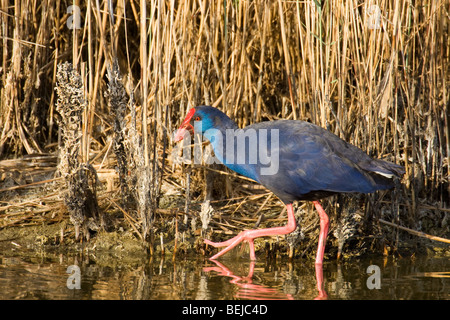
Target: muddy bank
123,247
45,240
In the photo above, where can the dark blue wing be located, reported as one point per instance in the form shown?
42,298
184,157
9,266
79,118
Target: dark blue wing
314,163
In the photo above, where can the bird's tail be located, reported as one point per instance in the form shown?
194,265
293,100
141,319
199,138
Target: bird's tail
383,172
387,169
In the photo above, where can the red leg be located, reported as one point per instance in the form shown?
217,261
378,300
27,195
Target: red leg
251,246
249,235
324,223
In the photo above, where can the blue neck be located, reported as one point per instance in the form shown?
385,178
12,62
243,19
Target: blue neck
228,156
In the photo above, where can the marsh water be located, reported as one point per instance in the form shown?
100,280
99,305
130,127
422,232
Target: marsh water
96,277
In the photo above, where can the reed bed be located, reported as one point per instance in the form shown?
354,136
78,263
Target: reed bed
376,73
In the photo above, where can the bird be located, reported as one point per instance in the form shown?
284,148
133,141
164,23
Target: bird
296,160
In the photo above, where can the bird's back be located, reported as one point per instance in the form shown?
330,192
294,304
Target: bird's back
314,163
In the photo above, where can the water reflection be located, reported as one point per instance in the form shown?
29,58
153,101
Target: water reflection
246,288
320,285
107,277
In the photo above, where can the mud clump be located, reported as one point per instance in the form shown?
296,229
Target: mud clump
45,240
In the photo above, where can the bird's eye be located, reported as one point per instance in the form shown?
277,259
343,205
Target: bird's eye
197,118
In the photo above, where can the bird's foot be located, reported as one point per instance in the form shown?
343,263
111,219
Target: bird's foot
250,235
247,235
220,244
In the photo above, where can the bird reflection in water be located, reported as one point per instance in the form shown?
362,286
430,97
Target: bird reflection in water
249,290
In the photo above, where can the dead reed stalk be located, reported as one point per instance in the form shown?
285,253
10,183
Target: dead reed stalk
117,102
80,186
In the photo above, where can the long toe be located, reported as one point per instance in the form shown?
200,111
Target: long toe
223,243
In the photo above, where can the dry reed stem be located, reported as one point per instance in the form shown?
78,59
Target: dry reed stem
414,232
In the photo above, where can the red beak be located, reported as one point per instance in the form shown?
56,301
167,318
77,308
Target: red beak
185,126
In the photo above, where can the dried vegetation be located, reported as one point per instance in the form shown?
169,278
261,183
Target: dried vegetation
96,149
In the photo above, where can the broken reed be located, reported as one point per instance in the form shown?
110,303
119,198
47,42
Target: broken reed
381,84
80,187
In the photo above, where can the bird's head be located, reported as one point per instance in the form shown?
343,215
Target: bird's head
199,120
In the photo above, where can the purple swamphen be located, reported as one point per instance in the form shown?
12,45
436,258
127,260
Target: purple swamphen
296,160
